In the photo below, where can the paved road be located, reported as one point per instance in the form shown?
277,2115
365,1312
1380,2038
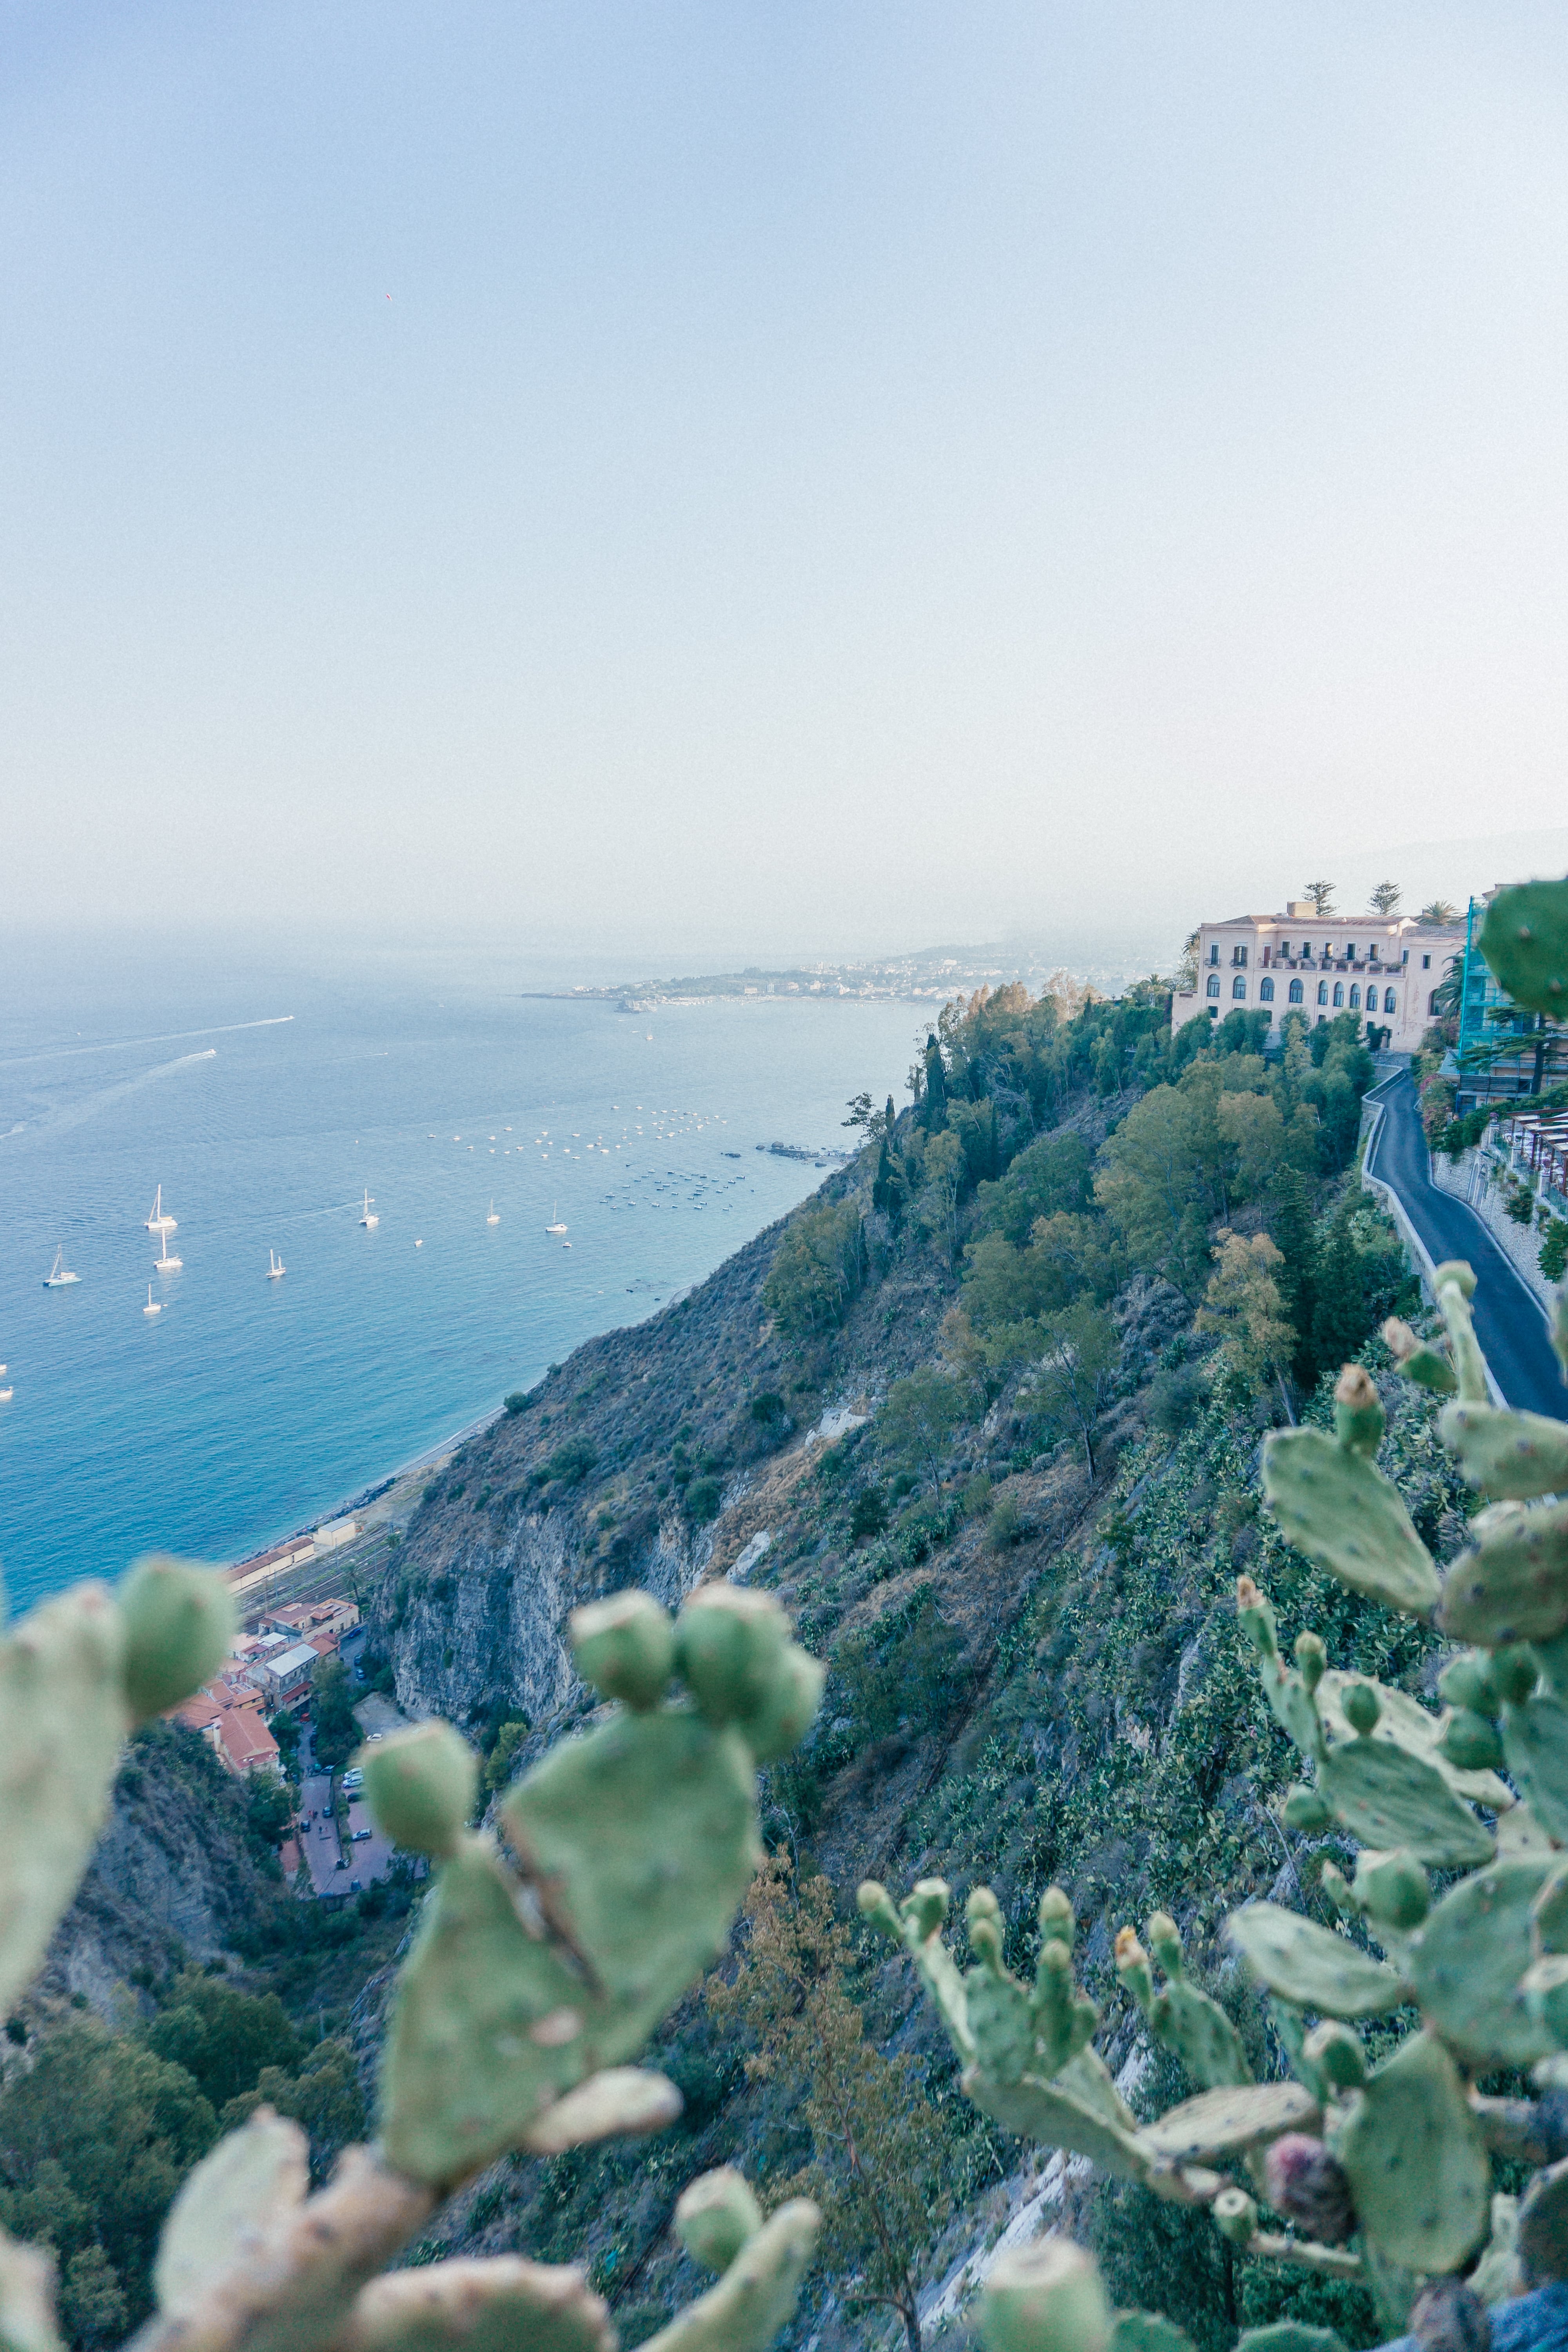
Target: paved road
1509,1324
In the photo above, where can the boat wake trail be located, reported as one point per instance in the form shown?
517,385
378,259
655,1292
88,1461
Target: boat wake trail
127,1045
76,1113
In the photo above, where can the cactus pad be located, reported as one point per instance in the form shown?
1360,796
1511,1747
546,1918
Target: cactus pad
229,2205
1310,1965
1466,1964
63,1715
1288,2336
1202,2037
504,2304
1044,2297
1417,2165
625,1647
1513,1456
619,2103
26,2298
1387,1797
756,2296
639,1840
1404,1722
1051,2114
1511,1582
1228,2122
479,2041
1524,938
715,2216
1535,1743
1340,1510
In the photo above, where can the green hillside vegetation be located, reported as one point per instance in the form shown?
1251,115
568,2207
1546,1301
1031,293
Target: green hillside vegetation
1076,1275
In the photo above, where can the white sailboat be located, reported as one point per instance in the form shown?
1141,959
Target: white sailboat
59,1274
276,1269
555,1226
158,1222
7,1395
370,1217
492,1218
153,1306
165,1263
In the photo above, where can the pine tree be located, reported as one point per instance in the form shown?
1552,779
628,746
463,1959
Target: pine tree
1387,897
1296,1238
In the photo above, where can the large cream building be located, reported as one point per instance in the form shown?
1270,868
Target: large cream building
1387,968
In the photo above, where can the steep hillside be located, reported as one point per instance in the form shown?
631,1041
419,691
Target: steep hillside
954,1412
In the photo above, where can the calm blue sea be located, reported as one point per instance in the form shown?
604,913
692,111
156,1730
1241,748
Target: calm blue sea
266,1092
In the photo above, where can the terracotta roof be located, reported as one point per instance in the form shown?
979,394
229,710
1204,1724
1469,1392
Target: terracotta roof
245,1737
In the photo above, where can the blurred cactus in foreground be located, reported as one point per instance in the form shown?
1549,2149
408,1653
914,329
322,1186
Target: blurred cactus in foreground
1380,2173
541,1962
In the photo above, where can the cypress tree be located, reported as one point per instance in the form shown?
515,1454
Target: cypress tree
1339,1310
1295,1236
936,1085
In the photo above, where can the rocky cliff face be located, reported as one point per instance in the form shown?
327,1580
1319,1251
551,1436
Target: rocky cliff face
176,1876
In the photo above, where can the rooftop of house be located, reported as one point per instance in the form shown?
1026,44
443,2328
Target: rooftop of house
245,1737
291,1663
1403,926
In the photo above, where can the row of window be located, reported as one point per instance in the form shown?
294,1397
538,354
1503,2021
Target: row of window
1266,993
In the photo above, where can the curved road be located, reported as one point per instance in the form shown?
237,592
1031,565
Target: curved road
1509,1323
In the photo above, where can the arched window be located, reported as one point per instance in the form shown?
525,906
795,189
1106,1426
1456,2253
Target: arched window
1388,1000
1266,991
1339,991
1239,986
1322,991
1356,999
1214,983
1295,992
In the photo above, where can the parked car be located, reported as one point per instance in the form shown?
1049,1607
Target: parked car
358,1835
354,1887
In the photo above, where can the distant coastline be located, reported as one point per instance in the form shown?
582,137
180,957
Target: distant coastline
931,976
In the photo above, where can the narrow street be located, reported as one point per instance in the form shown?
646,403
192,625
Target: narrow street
333,1871
1509,1323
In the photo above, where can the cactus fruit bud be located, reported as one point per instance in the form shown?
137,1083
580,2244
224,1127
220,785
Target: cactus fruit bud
925,1905
983,1915
1256,1618
1058,1924
420,1786
1336,2050
1337,1887
179,1621
1399,1339
1515,1673
729,1645
715,2216
1311,1659
1467,1682
625,1647
875,1906
1044,2297
1362,1708
1470,1743
1235,2216
1449,2316
1305,1811
1166,1942
1132,1967
785,1715
1393,1889
1358,1412
1417,1359
1455,1270
1310,2187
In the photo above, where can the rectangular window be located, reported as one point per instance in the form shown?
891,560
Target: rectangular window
1214,952
1426,963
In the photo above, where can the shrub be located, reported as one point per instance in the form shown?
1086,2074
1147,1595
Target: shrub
703,1497
1553,1259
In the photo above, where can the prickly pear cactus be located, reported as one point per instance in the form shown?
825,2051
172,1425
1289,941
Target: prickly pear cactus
539,1961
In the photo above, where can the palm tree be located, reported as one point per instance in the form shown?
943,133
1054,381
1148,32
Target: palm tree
1438,910
1321,895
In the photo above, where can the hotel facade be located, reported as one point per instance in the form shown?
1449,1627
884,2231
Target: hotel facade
1386,968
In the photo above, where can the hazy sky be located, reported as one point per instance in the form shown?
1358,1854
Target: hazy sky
829,473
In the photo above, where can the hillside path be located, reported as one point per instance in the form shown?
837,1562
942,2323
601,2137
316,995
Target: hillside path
1509,1324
